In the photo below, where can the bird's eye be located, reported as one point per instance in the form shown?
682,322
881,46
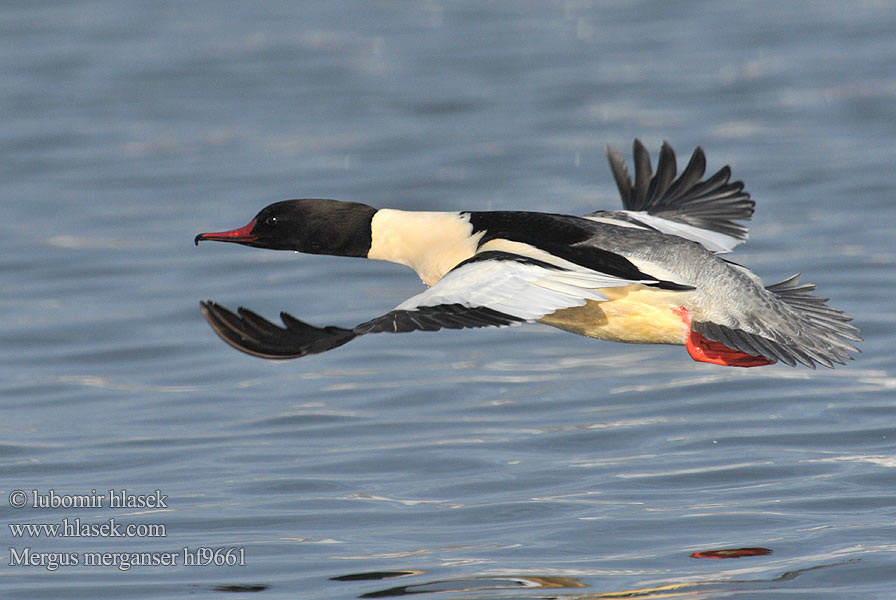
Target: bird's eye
271,221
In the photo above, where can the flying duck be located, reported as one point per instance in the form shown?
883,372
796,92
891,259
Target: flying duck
650,273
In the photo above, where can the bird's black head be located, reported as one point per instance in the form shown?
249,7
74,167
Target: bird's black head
309,225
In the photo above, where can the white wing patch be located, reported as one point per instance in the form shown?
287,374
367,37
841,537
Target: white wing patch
521,289
711,240
618,222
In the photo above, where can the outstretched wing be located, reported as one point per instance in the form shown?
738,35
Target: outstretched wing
704,211
491,289
250,333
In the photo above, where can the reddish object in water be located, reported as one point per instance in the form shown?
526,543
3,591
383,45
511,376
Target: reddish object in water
731,553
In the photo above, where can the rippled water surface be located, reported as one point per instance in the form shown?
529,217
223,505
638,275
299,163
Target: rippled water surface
523,463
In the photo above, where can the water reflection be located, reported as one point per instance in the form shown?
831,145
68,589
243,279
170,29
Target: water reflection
532,586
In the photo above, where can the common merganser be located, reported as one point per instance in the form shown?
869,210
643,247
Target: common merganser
647,274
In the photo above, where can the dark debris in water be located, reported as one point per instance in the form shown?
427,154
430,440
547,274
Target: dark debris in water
731,553
374,575
236,589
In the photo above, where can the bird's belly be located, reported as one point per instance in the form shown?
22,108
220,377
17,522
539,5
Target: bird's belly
635,314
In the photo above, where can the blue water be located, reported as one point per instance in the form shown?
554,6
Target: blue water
518,463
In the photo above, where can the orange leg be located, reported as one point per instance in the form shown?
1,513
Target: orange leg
717,353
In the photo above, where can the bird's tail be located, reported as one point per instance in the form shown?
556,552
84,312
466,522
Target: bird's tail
809,331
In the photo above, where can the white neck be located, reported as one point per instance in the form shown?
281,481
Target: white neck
431,243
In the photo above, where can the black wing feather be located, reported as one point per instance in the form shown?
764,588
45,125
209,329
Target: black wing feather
714,204
250,333
255,335
433,318
621,175
643,175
